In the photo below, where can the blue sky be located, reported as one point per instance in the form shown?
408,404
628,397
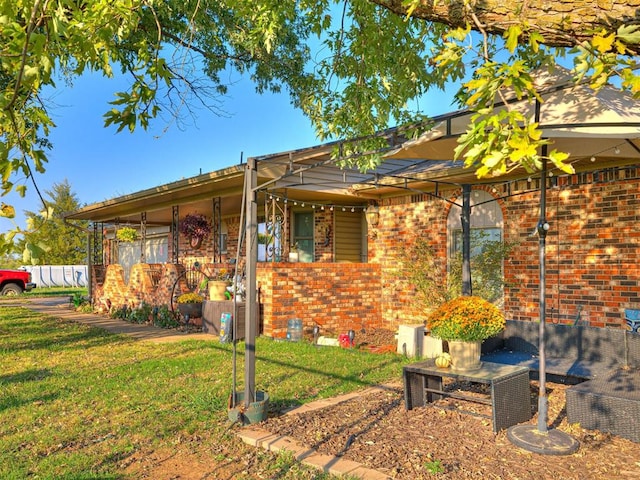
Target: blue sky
100,164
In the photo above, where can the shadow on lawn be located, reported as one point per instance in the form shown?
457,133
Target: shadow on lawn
43,333
356,378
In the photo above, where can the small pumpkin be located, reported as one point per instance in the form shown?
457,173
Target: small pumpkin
443,360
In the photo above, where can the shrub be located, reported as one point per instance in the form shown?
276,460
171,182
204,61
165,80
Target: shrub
163,317
140,314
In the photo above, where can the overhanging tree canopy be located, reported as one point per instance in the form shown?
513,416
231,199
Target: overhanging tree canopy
354,67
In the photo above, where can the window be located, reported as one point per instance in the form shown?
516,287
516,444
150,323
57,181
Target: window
487,248
222,243
269,244
480,239
303,235
223,235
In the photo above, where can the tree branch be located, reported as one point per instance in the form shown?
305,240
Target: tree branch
561,23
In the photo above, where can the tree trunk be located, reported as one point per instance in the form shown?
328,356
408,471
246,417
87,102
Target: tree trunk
562,23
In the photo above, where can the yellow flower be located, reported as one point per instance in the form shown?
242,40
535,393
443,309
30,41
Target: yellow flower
190,298
466,318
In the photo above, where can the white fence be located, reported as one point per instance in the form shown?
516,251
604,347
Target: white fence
45,276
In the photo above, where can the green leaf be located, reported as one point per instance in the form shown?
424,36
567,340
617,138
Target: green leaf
629,33
513,34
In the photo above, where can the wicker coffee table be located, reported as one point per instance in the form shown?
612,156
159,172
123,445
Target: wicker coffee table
510,397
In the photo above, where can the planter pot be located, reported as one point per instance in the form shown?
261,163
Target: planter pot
193,310
256,411
465,356
217,291
195,242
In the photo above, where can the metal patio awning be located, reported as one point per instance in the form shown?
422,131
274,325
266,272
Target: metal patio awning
602,126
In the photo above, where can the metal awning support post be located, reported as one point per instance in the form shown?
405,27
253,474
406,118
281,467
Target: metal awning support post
465,220
251,245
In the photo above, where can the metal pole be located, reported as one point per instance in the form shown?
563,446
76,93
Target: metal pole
89,268
543,228
251,238
541,439
234,331
465,219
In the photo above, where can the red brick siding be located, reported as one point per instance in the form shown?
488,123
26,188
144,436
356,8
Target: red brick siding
592,254
338,297
323,236
116,293
592,251
401,221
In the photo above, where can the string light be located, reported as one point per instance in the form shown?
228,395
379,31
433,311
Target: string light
321,206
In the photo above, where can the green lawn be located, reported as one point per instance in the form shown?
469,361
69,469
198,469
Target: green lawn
56,291
76,401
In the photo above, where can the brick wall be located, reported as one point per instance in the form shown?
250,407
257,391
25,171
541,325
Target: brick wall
592,249
336,296
402,220
114,292
592,252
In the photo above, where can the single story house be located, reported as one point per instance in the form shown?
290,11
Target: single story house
331,239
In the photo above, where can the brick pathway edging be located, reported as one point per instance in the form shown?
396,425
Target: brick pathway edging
256,436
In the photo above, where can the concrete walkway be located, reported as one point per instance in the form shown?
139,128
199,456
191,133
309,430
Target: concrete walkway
60,307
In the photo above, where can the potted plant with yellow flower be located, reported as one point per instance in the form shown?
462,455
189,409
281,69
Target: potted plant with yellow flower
218,284
127,234
190,305
464,323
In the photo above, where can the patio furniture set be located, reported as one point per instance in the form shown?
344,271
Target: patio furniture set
600,365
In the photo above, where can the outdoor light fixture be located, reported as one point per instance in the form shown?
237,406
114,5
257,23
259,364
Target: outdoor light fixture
372,214
352,335
543,228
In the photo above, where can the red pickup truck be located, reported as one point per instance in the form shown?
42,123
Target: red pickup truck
14,282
